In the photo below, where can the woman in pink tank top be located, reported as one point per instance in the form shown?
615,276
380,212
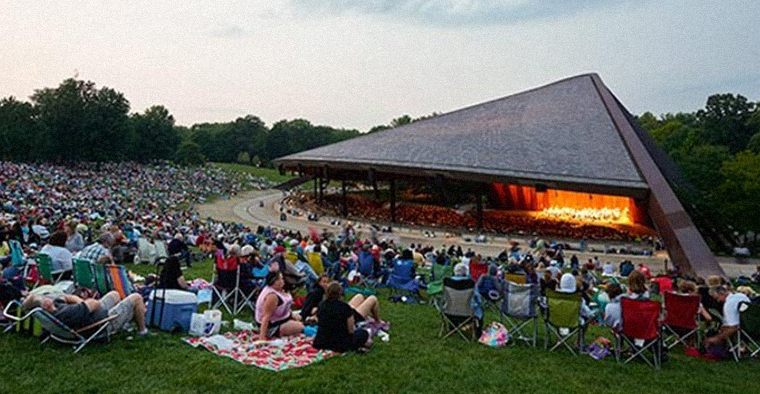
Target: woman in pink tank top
273,311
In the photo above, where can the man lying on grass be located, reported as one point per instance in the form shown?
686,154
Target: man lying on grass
78,313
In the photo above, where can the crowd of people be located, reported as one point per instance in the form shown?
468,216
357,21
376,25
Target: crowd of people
100,212
552,223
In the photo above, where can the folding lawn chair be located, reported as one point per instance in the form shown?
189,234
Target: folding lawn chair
402,278
17,257
681,314
45,270
641,332
519,308
146,251
749,331
490,289
101,274
225,283
118,279
456,311
563,320
314,260
366,267
477,268
83,277
438,272
161,251
515,278
62,333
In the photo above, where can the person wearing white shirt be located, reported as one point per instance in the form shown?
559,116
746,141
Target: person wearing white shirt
716,345
62,259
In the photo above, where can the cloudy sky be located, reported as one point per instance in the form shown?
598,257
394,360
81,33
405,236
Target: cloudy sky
359,63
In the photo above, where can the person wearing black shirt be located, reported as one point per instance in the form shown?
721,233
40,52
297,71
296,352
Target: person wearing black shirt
336,330
171,275
314,298
177,246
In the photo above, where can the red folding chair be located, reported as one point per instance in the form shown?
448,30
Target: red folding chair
226,283
477,269
641,332
681,314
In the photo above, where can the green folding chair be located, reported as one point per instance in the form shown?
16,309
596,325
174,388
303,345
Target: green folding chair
437,273
101,278
563,320
749,331
45,270
83,277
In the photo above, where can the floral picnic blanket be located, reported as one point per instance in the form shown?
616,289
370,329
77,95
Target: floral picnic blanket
274,355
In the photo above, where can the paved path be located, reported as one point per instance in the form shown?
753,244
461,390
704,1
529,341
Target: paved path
245,208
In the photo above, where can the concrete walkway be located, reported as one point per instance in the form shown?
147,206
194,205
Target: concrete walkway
245,208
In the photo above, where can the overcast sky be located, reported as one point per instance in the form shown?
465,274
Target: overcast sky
359,63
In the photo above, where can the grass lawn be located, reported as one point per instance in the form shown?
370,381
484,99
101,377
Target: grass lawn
271,174
414,360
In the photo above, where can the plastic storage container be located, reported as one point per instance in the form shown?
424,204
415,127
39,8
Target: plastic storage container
178,308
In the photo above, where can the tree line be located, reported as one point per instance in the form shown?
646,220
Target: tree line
717,150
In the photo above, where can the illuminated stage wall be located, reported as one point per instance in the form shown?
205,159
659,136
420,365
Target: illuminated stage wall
527,198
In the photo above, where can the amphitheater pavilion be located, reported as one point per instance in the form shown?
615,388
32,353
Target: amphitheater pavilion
569,143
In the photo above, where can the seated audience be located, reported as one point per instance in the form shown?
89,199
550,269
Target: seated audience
62,260
78,313
716,345
172,276
273,309
337,321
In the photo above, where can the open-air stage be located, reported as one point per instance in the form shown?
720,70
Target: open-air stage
245,209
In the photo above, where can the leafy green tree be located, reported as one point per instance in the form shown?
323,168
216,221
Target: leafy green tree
701,165
726,121
19,130
80,122
155,135
674,134
754,143
648,121
190,154
740,191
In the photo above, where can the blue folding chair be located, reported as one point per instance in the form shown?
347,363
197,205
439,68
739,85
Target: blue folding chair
402,278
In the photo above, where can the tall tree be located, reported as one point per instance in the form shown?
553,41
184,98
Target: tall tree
19,130
725,120
155,135
80,122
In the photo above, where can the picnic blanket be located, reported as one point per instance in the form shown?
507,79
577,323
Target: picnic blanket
274,355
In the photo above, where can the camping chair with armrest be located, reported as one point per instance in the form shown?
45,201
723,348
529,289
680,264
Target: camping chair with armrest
456,309
515,278
18,260
119,280
249,300
748,336
83,277
681,319
438,272
402,278
563,320
45,270
62,333
641,332
490,289
101,274
225,283
477,269
314,260
519,308
366,267
146,251
162,252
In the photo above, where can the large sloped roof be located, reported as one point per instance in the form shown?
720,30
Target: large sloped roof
559,133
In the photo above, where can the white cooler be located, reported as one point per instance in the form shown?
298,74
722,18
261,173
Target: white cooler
178,308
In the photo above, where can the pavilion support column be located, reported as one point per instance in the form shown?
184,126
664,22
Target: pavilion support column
375,189
315,187
393,201
321,190
345,198
479,204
